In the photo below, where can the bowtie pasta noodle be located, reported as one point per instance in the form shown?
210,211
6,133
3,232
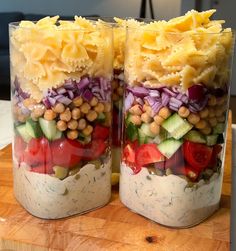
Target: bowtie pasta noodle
46,53
183,51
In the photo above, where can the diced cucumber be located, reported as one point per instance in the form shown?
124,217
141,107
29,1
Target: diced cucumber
101,117
127,119
142,138
49,128
169,146
195,136
33,128
58,135
145,128
219,128
211,140
163,135
132,132
21,129
220,139
176,126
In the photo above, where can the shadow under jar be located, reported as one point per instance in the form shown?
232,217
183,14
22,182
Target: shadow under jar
175,115
61,103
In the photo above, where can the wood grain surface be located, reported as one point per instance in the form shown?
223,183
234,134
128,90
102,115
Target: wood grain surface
113,227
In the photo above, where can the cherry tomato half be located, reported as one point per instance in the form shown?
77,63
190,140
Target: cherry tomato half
147,154
66,152
197,155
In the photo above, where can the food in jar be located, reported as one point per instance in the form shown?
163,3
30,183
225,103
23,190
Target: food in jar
175,112
61,93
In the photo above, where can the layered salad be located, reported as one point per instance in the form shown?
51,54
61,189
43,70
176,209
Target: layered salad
175,112
61,102
119,37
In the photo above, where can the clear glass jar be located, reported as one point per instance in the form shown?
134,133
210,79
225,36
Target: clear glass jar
61,101
175,115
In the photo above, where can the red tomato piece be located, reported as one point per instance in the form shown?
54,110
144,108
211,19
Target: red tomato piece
94,149
38,152
100,132
129,154
147,154
66,152
197,155
19,147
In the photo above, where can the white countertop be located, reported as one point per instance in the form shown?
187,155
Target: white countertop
6,130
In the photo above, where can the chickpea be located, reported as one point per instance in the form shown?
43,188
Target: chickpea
206,130
193,118
85,107
93,101
66,115
78,101
82,124
164,112
59,108
183,112
99,108
154,128
120,91
115,97
146,118
219,111
88,130
212,121
76,113
33,117
212,113
221,100
61,125
29,102
204,113
72,134
221,119
201,124
107,107
38,111
147,109
50,115
114,84
21,118
72,124
158,119
91,116
212,100
135,119
136,110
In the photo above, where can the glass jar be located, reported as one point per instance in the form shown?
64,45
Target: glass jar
175,115
61,75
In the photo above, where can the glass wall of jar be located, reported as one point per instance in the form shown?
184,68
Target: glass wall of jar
175,115
61,75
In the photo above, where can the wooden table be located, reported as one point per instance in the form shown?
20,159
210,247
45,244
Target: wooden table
112,227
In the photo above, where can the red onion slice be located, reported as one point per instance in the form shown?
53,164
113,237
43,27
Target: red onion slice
64,100
129,100
83,83
87,95
139,91
196,92
169,92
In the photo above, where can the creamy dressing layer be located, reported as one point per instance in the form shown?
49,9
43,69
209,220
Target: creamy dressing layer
48,197
167,199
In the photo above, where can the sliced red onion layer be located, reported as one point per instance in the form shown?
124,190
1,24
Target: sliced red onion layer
83,83
64,100
154,93
87,95
139,91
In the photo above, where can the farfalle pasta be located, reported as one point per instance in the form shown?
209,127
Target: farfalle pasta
50,51
187,50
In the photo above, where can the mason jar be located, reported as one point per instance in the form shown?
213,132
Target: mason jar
61,75
175,116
